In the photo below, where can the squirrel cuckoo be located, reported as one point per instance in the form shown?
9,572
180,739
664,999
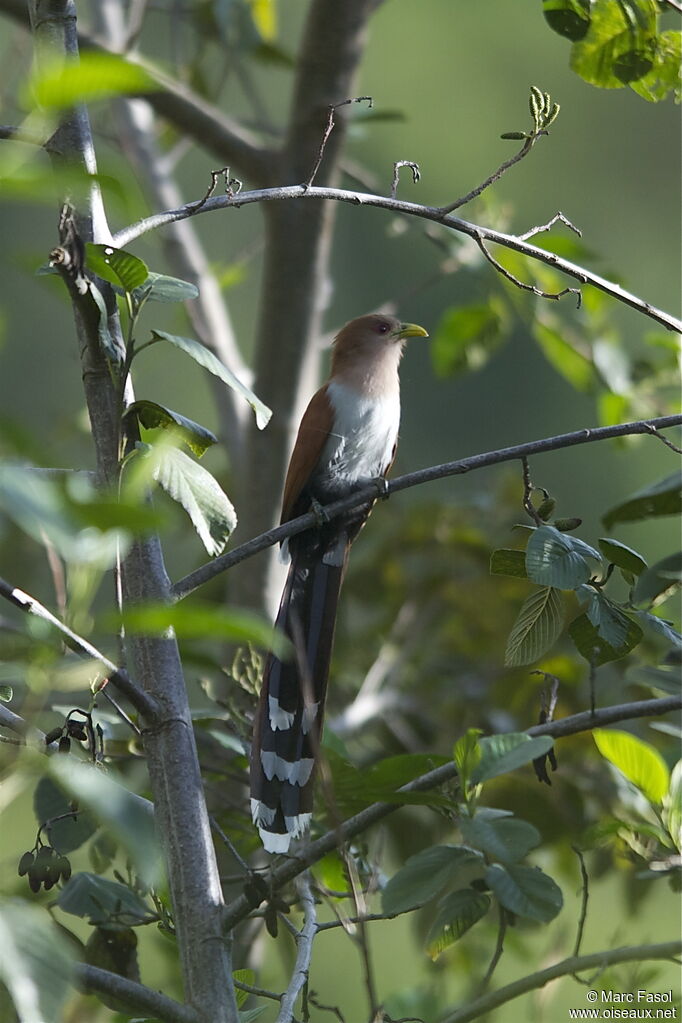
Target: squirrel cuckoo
347,438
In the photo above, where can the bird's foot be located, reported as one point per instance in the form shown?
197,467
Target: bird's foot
381,484
319,512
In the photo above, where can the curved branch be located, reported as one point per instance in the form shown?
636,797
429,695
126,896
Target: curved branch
367,494
281,874
595,961
433,213
137,997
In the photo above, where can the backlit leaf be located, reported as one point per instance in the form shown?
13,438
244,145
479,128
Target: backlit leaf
465,337
151,416
641,763
58,83
507,751
116,266
457,912
36,963
566,359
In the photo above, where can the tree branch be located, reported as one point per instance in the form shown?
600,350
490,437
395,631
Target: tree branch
141,701
433,213
304,943
136,997
17,724
597,960
364,495
282,873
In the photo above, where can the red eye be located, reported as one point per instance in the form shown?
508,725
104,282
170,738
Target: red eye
382,328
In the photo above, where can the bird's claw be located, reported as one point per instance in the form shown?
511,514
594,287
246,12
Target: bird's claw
381,484
319,512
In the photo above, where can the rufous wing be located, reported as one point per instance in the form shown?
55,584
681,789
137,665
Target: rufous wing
316,425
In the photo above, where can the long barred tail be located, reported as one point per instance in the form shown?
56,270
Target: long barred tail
288,724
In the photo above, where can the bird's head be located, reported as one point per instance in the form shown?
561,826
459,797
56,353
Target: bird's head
373,338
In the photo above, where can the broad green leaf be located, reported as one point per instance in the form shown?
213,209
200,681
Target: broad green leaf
160,288
426,874
6,693
622,556
595,648
210,362
503,753
659,627
249,1015
556,559
188,483
116,266
35,964
505,561
244,977
102,901
570,18
457,912
611,623
197,620
641,763
129,818
354,788
617,49
264,14
526,891
151,415
562,355
467,755
64,835
659,582
58,84
664,76
466,336
661,498
672,806
537,627
506,838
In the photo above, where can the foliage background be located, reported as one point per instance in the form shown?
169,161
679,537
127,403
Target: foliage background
459,74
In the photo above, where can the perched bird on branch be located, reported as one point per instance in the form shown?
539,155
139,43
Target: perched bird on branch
347,438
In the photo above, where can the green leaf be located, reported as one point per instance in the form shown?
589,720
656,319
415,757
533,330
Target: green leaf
160,288
672,806
188,483
57,84
537,627
567,360
503,753
594,648
505,838
129,818
210,362
661,498
244,977
659,582
664,76
467,755
526,891
622,556
611,623
102,901
68,834
466,336
660,627
6,693
36,963
197,620
505,561
457,912
555,559
426,874
641,763
116,266
354,788
106,338
570,18
618,48
151,415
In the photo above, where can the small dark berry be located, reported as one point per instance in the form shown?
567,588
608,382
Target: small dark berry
25,863
64,744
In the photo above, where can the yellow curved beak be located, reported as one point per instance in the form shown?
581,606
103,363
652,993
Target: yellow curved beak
411,330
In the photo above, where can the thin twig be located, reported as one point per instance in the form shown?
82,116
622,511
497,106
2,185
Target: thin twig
499,949
290,868
585,895
416,174
608,957
329,127
495,176
555,296
116,676
261,992
664,440
304,952
364,495
433,213
557,218
230,845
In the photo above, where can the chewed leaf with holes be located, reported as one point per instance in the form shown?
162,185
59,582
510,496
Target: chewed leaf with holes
116,266
153,416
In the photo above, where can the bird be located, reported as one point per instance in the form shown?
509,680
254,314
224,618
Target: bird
347,438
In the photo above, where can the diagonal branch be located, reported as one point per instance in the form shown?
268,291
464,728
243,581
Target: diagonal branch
136,997
285,872
119,678
304,943
597,960
367,494
434,213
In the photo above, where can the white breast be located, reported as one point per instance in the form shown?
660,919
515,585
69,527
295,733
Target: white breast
365,433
